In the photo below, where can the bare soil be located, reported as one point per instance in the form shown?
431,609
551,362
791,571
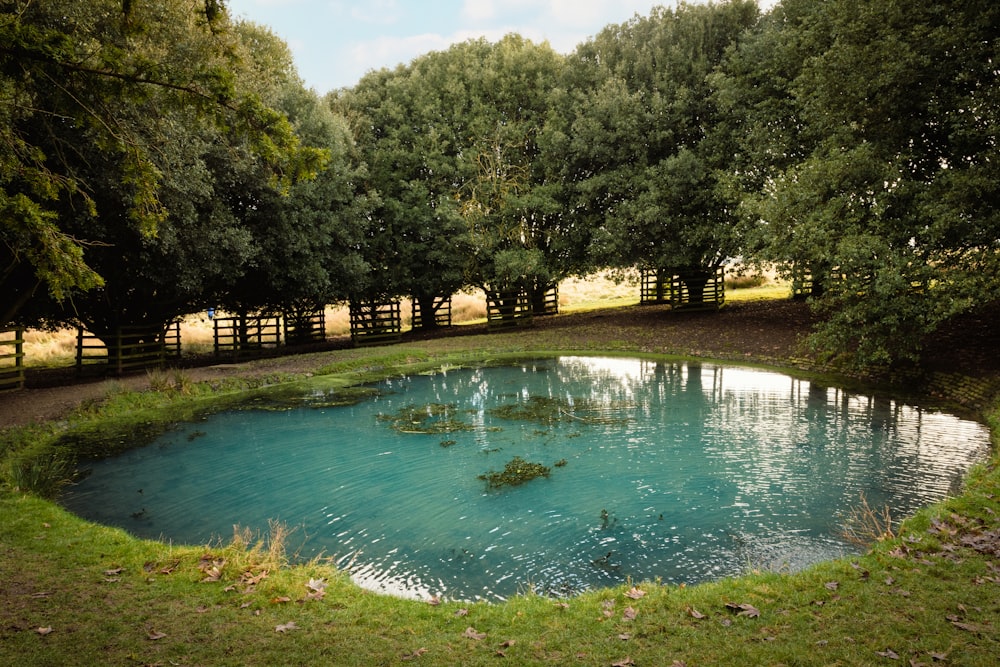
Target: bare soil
759,331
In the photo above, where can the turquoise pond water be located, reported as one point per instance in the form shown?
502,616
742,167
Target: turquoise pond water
674,471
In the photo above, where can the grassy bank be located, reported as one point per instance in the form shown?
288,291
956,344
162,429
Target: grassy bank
77,593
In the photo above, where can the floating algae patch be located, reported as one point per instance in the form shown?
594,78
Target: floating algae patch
293,398
517,471
554,409
431,418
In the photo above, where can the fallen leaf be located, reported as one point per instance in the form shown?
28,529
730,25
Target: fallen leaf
888,653
462,612
678,663
940,657
202,610
694,613
286,627
508,643
416,654
968,627
154,635
116,571
629,614
212,574
40,595
281,599
252,579
635,593
470,633
434,601
744,609
562,605
625,636
624,662
832,585
43,631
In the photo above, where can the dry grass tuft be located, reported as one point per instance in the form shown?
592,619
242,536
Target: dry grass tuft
865,525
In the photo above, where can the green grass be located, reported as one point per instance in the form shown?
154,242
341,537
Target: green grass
72,592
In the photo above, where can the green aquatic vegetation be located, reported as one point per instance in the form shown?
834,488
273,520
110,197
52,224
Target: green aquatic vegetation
554,409
517,471
293,398
432,418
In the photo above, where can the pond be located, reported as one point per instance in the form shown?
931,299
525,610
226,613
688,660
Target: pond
647,470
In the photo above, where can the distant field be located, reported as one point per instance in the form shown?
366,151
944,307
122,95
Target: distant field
58,348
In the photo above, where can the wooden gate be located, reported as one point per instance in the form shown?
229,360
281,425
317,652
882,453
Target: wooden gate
654,288
375,322
506,310
441,315
303,327
698,290
128,348
239,336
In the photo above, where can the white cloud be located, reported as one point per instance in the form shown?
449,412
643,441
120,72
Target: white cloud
378,12
479,10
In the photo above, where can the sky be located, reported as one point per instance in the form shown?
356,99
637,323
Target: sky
336,42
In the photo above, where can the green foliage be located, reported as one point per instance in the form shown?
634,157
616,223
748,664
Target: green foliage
96,91
869,128
641,140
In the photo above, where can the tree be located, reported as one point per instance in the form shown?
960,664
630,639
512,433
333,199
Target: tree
408,124
107,81
642,146
509,200
886,199
436,135
305,248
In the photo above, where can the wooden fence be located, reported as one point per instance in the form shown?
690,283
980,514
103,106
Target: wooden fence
547,303
441,315
506,310
654,288
375,322
128,348
237,336
11,359
699,290
304,327
802,283
683,290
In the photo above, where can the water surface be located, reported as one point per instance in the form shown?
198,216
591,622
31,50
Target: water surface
677,472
